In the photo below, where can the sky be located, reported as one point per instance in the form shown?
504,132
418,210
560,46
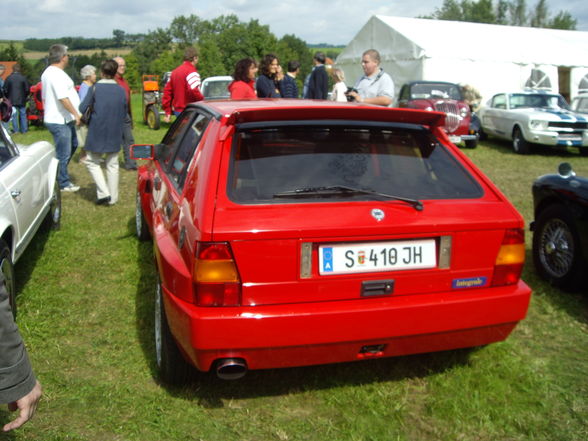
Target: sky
324,21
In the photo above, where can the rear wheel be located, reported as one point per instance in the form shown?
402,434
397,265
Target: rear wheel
172,367
7,269
519,144
556,249
153,117
140,225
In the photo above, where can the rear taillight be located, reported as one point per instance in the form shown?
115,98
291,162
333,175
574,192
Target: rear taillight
216,280
510,259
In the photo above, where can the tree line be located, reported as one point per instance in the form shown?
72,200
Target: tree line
504,12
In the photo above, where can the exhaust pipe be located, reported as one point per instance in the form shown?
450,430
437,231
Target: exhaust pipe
231,368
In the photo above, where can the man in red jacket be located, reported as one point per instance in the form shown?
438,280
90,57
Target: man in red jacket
183,86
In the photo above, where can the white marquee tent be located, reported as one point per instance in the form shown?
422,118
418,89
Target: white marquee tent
492,58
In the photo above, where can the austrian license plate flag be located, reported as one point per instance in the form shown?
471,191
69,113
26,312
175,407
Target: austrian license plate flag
377,257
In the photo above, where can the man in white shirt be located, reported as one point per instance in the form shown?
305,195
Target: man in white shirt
375,86
61,115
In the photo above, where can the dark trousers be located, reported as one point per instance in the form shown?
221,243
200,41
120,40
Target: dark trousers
127,141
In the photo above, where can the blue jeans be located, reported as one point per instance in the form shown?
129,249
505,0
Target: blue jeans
66,143
19,119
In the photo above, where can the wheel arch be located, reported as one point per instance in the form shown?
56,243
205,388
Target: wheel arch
8,236
517,126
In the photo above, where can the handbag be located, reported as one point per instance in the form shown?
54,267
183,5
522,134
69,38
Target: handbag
5,110
87,115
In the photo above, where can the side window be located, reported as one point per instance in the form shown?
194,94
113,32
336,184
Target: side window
171,142
499,102
186,147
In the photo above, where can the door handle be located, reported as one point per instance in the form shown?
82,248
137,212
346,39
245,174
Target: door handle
16,195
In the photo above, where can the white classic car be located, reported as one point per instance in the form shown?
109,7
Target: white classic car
534,117
29,196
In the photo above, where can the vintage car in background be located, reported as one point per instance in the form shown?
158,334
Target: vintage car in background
534,117
447,98
560,228
301,232
216,88
29,195
580,103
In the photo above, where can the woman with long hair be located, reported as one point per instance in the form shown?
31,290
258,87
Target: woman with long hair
243,85
269,82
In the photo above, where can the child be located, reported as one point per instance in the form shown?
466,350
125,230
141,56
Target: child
339,88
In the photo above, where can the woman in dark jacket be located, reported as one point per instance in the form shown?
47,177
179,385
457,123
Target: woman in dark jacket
105,131
269,82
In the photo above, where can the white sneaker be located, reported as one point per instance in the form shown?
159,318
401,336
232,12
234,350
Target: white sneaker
71,188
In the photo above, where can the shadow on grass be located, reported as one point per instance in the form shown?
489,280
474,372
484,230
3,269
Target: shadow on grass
27,261
505,147
209,391
6,417
573,304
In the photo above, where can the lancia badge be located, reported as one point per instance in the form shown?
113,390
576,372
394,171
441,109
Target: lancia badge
378,214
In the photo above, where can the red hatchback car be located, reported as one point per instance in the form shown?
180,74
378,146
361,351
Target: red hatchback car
292,232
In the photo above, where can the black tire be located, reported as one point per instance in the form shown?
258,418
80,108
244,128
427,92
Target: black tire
519,143
471,144
53,218
171,365
556,249
7,268
152,117
141,226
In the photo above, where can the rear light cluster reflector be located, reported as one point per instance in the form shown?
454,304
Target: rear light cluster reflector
216,279
510,259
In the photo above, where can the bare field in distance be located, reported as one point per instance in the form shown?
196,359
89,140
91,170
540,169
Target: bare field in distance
37,55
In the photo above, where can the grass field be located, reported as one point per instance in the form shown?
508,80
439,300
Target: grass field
85,309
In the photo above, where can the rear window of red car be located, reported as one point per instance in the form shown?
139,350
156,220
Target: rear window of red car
319,162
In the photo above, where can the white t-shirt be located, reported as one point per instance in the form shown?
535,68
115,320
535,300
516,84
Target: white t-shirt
56,85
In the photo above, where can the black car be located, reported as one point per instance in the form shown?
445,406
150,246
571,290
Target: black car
560,228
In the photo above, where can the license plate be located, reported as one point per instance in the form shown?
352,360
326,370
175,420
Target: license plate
377,256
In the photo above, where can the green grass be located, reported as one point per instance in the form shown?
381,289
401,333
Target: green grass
85,309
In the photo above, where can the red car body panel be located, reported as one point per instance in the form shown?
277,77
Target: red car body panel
287,318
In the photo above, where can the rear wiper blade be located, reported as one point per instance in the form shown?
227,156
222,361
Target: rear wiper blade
339,189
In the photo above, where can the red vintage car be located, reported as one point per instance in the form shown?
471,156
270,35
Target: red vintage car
293,232
460,124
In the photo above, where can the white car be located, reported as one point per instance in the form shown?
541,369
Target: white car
216,88
534,117
29,196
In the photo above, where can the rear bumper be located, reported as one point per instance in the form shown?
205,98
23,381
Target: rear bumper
329,332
